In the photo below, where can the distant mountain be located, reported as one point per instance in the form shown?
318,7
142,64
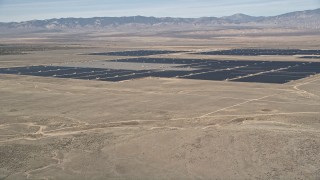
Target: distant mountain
241,18
301,19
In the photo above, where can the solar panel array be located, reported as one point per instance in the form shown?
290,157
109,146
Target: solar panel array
239,71
259,52
136,53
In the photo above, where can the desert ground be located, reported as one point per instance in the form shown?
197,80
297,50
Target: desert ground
156,128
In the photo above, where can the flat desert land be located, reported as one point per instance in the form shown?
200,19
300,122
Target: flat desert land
156,128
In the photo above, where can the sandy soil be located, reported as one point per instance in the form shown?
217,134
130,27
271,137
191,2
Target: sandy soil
155,128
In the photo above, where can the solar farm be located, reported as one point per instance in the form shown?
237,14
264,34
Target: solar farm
123,106
262,52
136,53
278,72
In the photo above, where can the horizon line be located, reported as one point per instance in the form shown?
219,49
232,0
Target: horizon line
74,17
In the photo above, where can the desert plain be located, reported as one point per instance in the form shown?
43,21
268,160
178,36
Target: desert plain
157,128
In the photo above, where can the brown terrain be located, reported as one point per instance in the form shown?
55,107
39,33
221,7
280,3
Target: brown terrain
156,128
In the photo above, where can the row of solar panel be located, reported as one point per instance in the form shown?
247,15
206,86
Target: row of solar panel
280,77
205,63
259,52
239,71
238,52
136,53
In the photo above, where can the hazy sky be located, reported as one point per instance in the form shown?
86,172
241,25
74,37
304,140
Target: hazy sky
20,10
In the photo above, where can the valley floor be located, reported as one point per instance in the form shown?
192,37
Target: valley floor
156,128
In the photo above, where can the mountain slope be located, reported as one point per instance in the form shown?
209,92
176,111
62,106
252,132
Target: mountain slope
241,18
302,19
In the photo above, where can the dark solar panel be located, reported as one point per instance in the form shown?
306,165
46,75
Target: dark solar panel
217,76
169,74
269,79
135,53
241,71
258,52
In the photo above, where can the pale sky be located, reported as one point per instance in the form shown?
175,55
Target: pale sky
22,10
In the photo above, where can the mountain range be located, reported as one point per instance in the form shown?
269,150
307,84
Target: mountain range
309,19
